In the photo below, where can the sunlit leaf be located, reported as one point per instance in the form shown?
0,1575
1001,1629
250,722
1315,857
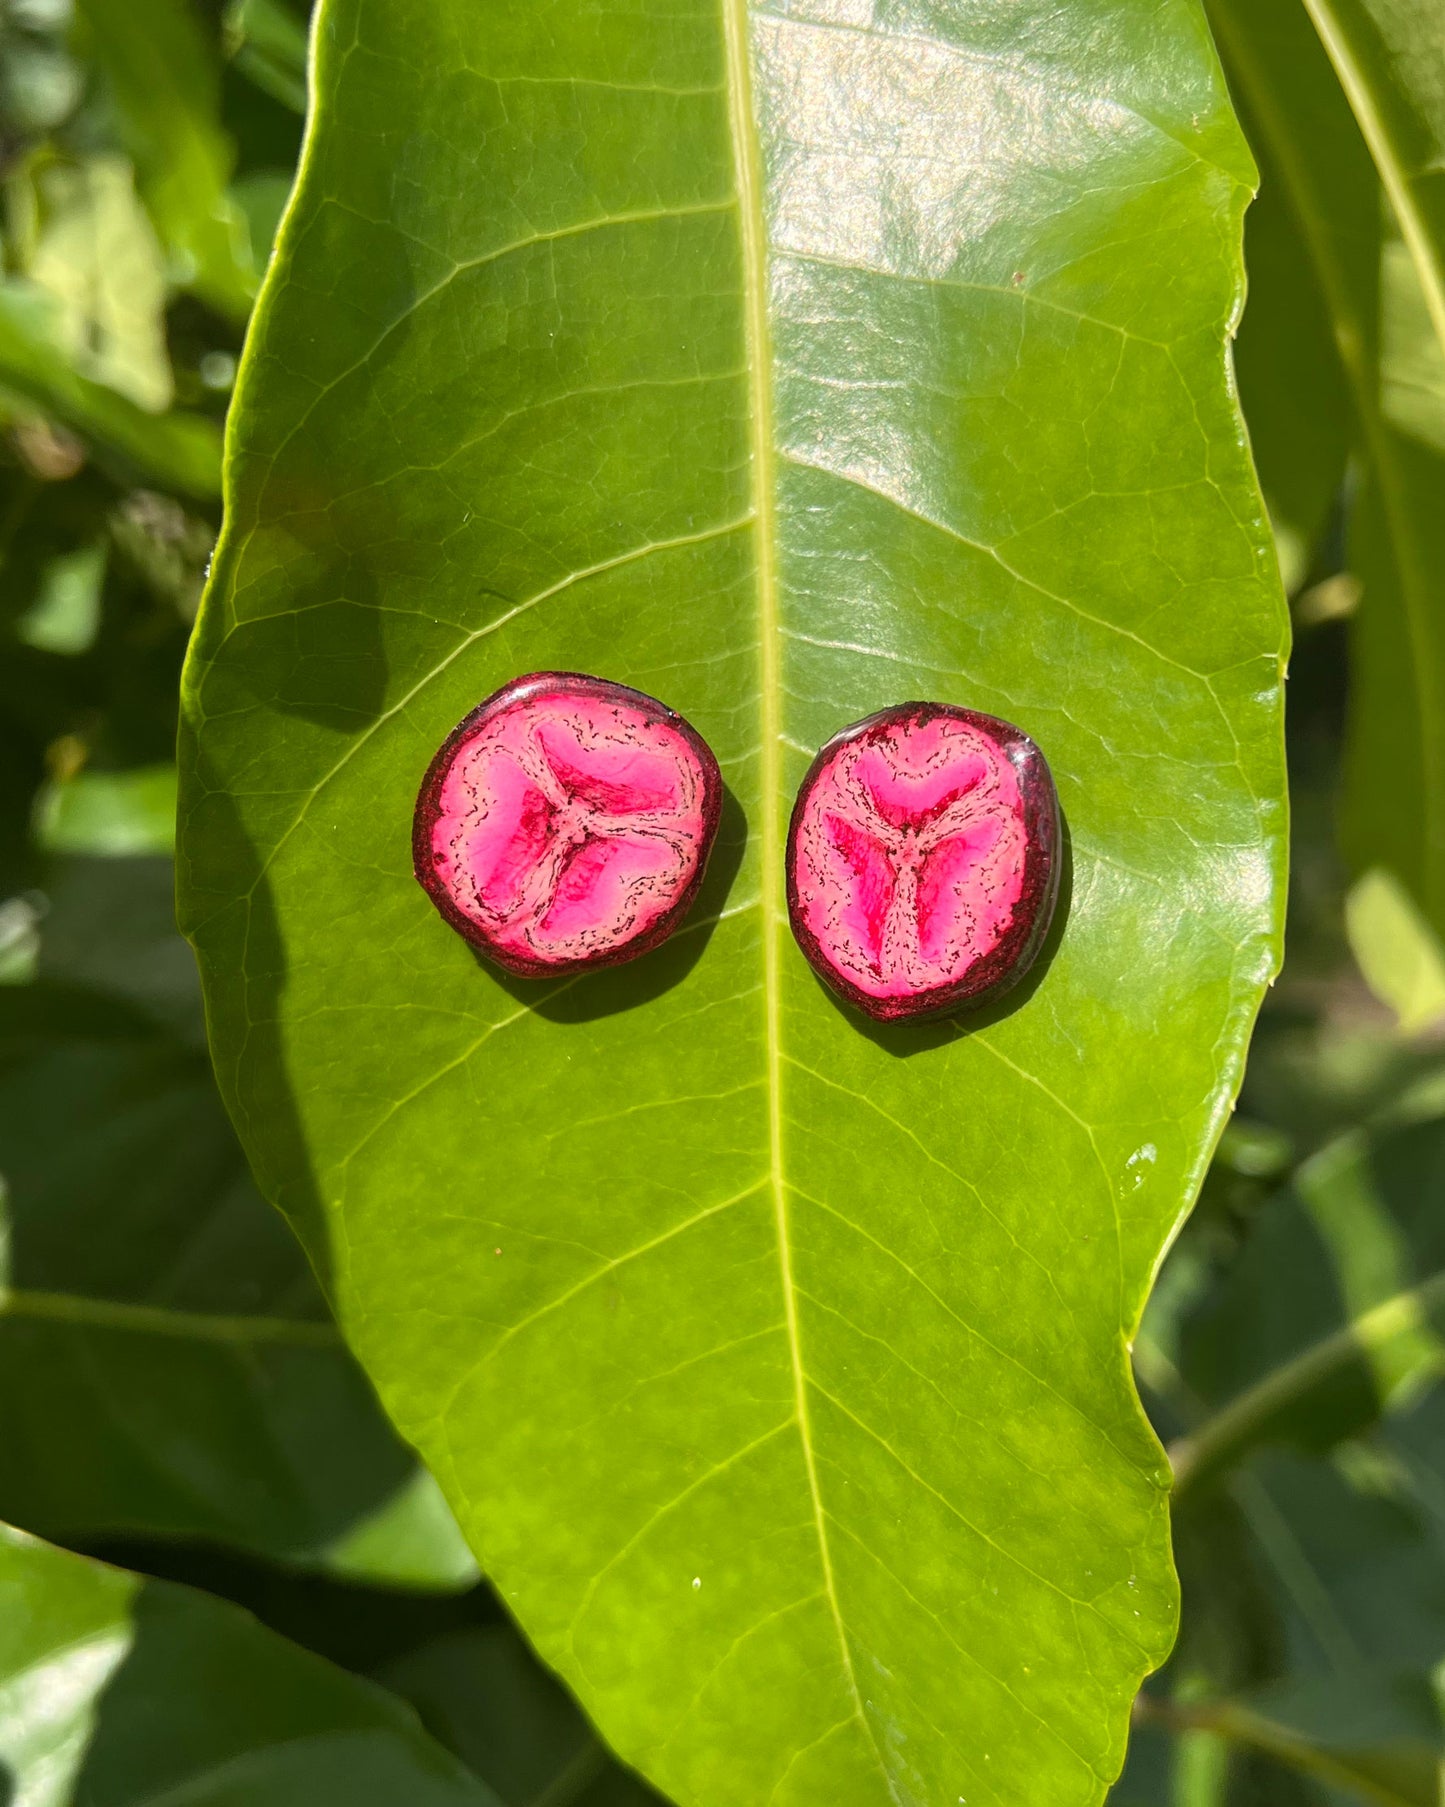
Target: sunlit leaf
96,253
1398,952
110,813
65,614
784,364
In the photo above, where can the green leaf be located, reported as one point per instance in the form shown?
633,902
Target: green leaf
120,1691
1386,54
167,1365
1356,1333
165,78
1373,1735
1393,814
95,252
178,451
262,196
1292,385
1388,320
1398,953
268,43
482,1694
65,615
1353,1550
1320,1623
784,364
109,813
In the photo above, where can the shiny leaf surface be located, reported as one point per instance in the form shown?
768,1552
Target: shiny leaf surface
783,363
117,1691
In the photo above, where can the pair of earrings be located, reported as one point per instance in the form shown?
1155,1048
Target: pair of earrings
567,823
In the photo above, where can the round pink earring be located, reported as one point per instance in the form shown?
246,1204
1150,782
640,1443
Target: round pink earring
566,823
922,860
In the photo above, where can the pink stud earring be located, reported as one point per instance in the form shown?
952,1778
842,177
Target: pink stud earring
922,860
566,823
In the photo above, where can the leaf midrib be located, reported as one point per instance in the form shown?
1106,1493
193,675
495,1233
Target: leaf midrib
753,240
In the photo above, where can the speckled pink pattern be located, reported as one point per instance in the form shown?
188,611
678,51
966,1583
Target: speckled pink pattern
909,855
565,821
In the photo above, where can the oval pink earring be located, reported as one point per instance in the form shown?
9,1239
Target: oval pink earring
566,823
922,860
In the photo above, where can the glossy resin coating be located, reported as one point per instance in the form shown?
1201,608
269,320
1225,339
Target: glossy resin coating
566,823
923,860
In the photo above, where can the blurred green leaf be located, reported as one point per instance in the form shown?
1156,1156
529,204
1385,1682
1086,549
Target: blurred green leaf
121,1692
1301,122
1371,1734
1292,386
19,940
1346,1558
109,813
39,85
1306,346
108,927
262,196
167,1364
164,74
177,450
1398,952
482,1694
1355,1553
1353,1333
1394,807
1387,55
267,41
95,251
65,615
1314,1634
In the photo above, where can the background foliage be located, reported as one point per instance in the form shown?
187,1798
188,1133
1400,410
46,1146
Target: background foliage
173,1397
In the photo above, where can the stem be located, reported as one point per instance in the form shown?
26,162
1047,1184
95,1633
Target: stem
161,1320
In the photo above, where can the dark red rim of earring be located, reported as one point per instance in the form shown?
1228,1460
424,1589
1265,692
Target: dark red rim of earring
428,809
1010,960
